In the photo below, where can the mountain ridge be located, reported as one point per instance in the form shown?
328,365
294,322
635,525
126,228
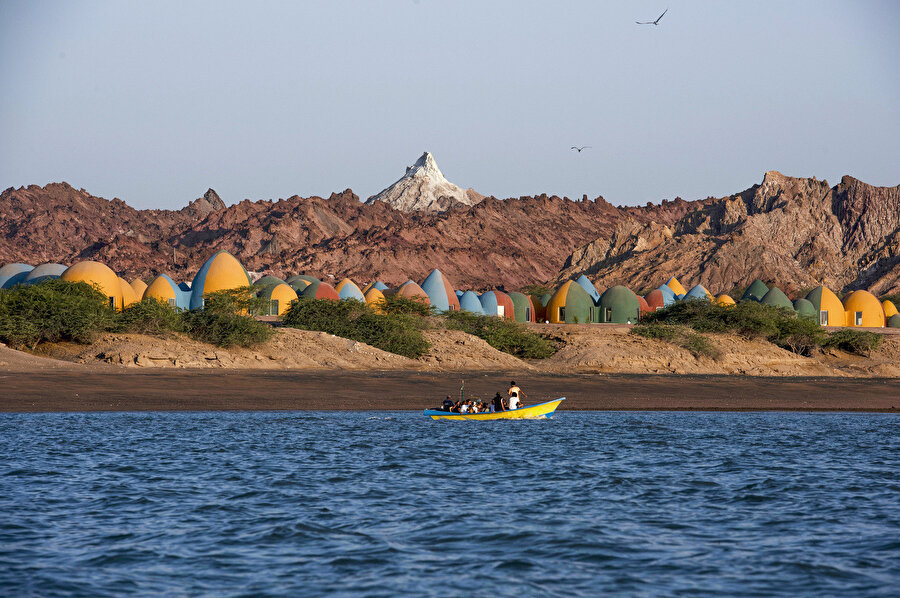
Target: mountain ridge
792,231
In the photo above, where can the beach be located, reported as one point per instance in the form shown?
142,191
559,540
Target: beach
117,389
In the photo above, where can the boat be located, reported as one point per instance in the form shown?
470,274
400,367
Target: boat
539,411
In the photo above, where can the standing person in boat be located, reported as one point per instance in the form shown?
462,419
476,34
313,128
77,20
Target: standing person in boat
497,403
448,404
515,396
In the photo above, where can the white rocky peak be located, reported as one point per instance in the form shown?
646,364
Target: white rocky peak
424,188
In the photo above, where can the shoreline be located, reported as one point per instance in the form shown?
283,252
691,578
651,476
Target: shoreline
111,389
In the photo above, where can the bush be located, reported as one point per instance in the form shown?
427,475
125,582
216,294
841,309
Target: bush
395,304
51,311
225,329
149,316
397,332
504,335
749,319
242,300
681,336
537,290
860,342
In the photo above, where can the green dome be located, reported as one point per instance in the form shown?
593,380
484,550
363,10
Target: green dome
894,321
619,305
776,298
756,291
267,281
805,309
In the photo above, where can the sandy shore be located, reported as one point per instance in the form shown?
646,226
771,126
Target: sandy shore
116,389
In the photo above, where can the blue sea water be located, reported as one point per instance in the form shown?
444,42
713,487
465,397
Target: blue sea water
376,504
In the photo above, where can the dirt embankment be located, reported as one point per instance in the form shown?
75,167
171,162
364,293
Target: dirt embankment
585,349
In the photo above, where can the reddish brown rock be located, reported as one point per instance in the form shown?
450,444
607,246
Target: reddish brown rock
795,232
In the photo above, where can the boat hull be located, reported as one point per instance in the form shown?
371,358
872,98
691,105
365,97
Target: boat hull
539,411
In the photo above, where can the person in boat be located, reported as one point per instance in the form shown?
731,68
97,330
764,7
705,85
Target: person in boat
497,403
464,408
448,404
515,396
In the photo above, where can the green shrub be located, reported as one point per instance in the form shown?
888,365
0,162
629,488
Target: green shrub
149,316
537,290
398,332
657,331
860,342
242,300
51,311
502,334
395,304
225,329
799,335
680,336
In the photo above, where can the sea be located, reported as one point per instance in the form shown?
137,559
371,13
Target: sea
394,504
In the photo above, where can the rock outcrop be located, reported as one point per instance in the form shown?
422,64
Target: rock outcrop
424,189
795,232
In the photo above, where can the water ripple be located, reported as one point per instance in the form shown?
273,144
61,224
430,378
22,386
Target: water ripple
361,504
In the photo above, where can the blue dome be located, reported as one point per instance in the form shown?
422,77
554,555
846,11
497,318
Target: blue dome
469,301
588,286
13,274
459,293
668,295
697,292
351,291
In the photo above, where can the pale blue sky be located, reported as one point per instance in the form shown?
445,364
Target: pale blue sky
153,102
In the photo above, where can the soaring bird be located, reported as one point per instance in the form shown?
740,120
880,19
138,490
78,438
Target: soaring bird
578,149
656,22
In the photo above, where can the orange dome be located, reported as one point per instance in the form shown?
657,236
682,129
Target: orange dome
129,297
138,286
99,276
864,309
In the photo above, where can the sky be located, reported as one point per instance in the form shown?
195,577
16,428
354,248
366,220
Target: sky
154,102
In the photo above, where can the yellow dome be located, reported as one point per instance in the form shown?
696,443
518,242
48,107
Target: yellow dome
284,295
676,286
725,300
374,298
889,308
98,275
161,289
864,309
138,286
556,301
830,308
129,297
341,284
221,272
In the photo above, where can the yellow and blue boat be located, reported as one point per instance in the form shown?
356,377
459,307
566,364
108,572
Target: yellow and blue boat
539,411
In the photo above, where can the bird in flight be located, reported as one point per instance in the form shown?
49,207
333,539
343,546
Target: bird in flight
656,22
578,149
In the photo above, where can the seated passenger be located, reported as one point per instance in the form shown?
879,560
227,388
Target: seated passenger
464,408
497,403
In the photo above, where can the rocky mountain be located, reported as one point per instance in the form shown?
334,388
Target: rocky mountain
794,232
508,243
423,188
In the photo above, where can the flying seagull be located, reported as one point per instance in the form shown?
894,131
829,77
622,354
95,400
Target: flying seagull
656,22
578,149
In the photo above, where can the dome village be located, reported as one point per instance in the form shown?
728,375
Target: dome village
575,302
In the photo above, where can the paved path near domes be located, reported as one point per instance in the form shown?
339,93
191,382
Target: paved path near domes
116,390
